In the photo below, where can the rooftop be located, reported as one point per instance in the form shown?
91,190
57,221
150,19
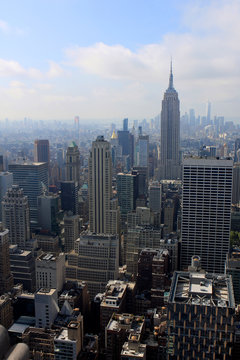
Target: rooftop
199,288
131,323
115,291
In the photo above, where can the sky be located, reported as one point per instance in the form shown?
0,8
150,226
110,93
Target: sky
110,59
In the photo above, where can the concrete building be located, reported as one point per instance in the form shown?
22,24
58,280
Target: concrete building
46,308
6,181
50,271
170,134
49,243
133,349
201,310
6,311
15,212
71,231
141,233
22,265
6,278
40,342
48,208
100,185
69,342
73,163
41,151
95,260
206,211
33,179
117,331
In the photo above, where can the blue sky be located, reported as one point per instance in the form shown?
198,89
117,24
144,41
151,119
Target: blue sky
110,59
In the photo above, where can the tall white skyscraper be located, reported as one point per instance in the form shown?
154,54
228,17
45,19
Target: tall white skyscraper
170,134
100,185
206,211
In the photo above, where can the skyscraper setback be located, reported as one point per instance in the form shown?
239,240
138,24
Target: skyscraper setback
170,134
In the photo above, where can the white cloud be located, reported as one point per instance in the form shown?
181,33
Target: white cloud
4,26
206,57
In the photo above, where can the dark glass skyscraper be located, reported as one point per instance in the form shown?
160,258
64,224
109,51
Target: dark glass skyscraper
170,134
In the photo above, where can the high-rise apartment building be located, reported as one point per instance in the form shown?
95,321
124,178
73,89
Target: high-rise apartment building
15,211
41,151
73,162
33,178
100,185
170,134
6,278
206,211
6,181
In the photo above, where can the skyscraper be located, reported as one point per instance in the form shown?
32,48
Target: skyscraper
6,278
41,151
73,162
33,179
6,181
15,213
100,184
206,211
170,134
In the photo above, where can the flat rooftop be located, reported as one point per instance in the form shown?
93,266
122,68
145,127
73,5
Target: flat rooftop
130,322
198,288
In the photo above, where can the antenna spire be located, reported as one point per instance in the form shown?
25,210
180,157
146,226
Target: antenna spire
170,87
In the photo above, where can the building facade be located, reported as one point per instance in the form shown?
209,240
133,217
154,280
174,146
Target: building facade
206,211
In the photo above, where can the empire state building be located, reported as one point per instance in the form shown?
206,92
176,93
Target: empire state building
170,134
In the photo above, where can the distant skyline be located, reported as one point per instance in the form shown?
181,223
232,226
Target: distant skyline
110,59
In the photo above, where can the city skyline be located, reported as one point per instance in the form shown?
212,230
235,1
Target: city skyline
111,61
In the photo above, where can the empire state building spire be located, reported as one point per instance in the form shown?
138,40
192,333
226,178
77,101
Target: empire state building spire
170,133
170,86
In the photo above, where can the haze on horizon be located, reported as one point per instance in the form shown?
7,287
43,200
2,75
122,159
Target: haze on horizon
109,60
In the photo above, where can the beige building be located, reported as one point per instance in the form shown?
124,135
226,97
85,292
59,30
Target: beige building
50,271
94,260
73,162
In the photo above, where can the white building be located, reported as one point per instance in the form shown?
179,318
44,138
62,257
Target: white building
206,211
50,271
46,307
